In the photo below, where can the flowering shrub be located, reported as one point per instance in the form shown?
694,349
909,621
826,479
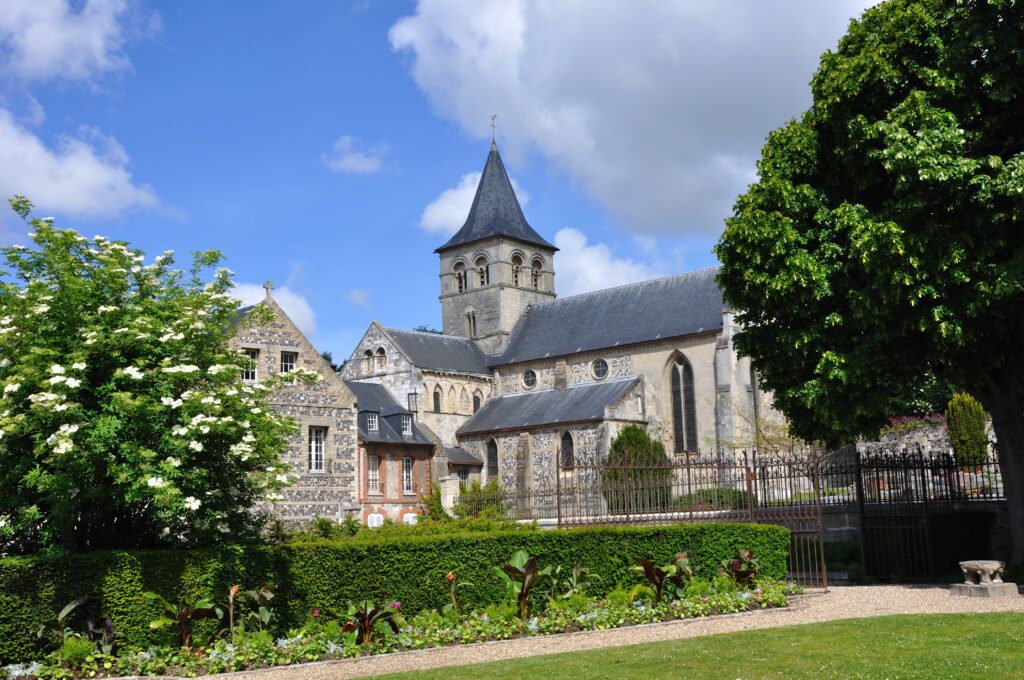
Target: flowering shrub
124,421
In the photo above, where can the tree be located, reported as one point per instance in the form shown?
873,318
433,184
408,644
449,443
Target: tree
966,420
883,239
637,475
423,328
123,418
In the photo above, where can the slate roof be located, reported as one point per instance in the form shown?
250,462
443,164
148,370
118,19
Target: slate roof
575,404
639,312
460,456
440,352
373,398
495,211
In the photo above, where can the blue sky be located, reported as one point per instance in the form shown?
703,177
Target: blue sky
330,146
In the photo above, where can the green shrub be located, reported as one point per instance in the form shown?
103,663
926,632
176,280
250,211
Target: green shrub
720,498
74,650
487,501
636,477
966,420
407,567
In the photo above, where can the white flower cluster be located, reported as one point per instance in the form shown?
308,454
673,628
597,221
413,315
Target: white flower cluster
156,482
195,446
171,336
185,368
192,503
169,401
172,461
133,373
61,439
102,309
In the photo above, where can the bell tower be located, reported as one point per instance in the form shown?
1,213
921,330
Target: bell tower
495,265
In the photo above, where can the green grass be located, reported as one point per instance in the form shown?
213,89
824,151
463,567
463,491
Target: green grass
926,646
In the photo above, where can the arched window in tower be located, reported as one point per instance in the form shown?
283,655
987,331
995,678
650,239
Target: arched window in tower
471,324
483,270
684,407
517,269
536,267
567,454
492,460
478,400
437,400
382,359
461,282
368,361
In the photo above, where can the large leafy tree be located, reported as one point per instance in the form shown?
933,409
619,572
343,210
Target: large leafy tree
884,238
123,418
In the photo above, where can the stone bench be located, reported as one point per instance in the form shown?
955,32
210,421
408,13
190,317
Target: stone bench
983,578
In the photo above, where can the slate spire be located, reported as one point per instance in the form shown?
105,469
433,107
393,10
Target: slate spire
496,210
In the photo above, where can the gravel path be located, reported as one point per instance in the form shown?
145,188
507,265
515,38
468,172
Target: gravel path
848,602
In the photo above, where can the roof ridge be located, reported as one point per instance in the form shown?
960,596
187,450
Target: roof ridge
428,333
627,285
596,383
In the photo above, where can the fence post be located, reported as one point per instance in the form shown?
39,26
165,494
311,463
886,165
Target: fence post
858,471
558,489
750,491
821,524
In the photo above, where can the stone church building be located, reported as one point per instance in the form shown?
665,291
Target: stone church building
520,386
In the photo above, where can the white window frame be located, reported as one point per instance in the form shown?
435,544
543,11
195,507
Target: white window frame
407,474
406,426
317,447
253,354
372,424
373,474
294,364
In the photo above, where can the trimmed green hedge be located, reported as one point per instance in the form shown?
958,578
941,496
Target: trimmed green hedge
411,570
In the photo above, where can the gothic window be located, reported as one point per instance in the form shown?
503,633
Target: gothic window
471,324
483,270
529,378
492,460
567,459
684,407
460,276
437,400
464,401
476,402
535,269
382,359
367,361
517,268
600,369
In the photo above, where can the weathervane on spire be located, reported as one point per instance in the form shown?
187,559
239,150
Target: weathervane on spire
494,117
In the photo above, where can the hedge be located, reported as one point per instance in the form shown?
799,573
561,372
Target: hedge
326,574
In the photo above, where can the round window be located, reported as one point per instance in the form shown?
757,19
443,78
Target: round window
600,369
529,379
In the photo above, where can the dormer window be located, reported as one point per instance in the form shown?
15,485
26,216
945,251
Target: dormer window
406,426
371,422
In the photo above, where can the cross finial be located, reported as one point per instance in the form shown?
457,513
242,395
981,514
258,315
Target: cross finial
494,117
268,286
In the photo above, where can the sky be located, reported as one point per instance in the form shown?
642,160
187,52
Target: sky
329,146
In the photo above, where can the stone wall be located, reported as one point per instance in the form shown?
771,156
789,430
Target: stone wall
326,403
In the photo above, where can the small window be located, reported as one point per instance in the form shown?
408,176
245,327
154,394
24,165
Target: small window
535,271
288,361
517,269
382,359
567,460
371,422
460,276
375,520
437,400
600,369
407,426
483,270
471,324
410,518
529,379
463,474
373,474
367,362
249,373
317,444
407,475
492,460
476,403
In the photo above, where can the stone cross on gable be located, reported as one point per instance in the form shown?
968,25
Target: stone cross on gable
268,286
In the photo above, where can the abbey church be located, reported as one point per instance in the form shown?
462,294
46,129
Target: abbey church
521,386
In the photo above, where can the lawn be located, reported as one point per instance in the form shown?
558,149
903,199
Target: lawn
924,646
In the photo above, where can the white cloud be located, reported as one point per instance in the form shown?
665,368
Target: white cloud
346,156
359,296
658,109
447,213
42,39
83,175
582,268
294,305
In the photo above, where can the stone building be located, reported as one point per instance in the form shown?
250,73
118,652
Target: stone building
520,380
322,453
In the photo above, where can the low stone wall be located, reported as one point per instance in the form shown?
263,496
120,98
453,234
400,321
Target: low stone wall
931,438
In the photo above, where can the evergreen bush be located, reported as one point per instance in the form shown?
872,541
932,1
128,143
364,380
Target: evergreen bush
966,420
636,477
